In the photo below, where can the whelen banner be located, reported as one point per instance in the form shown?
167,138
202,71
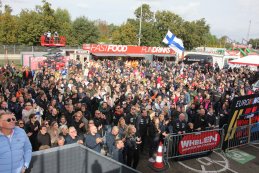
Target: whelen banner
244,111
127,49
203,141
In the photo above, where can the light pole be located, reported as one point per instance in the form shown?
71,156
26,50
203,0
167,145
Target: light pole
140,22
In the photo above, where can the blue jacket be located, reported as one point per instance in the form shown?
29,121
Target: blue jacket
16,153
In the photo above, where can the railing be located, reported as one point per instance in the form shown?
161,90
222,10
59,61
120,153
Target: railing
17,49
53,41
242,135
191,144
182,145
74,158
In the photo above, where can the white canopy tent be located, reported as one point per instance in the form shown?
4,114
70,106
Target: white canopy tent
250,60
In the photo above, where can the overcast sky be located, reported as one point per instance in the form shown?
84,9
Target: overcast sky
225,17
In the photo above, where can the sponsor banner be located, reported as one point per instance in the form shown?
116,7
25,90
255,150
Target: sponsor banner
211,50
194,143
254,136
244,111
35,62
126,49
26,60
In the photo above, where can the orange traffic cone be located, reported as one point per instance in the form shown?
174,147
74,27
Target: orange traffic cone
159,165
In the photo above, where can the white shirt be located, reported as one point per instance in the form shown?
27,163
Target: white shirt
9,136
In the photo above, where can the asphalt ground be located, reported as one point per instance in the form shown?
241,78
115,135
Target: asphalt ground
239,160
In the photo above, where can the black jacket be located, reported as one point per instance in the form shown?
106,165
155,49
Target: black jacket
43,139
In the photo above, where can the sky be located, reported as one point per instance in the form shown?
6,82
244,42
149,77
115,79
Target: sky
225,17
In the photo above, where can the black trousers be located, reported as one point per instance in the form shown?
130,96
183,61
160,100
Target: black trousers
143,139
133,158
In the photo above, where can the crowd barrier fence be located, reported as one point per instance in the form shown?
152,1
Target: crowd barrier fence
182,145
191,144
242,135
74,158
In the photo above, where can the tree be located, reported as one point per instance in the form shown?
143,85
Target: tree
254,43
103,29
84,31
150,35
8,26
125,35
195,34
166,20
48,20
147,14
64,25
0,7
30,27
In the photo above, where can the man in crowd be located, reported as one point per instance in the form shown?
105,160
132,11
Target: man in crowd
117,152
93,140
110,139
73,137
16,148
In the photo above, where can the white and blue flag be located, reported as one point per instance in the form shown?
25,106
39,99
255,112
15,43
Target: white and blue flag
173,42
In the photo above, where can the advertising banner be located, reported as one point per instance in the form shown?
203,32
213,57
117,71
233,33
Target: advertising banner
35,62
203,141
26,60
244,111
126,49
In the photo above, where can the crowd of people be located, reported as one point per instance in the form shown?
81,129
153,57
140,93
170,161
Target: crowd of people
119,110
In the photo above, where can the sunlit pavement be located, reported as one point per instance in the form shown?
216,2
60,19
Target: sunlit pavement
240,160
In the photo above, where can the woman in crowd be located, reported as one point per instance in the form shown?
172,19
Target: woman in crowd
54,133
63,131
132,148
154,137
32,129
122,127
20,123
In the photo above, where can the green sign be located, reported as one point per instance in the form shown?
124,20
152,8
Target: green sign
240,156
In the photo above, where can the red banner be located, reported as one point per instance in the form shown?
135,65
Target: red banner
125,49
35,62
203,141
26,60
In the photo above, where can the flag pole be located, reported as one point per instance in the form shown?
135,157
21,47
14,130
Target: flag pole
140,22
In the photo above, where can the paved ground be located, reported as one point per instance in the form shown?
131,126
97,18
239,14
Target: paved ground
239,160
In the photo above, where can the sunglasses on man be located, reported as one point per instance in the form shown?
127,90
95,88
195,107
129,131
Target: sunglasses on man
10,119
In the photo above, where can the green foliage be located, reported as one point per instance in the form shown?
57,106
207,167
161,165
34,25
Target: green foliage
104,31
30,29
125,35
8,27
147,14
64,25
84,31
27,27
254,43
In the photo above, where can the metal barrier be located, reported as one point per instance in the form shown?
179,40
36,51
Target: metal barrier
74,158
242,135
254,133
181,145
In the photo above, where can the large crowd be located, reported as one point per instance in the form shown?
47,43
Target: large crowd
118,108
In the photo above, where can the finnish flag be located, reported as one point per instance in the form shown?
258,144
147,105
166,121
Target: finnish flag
173,42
